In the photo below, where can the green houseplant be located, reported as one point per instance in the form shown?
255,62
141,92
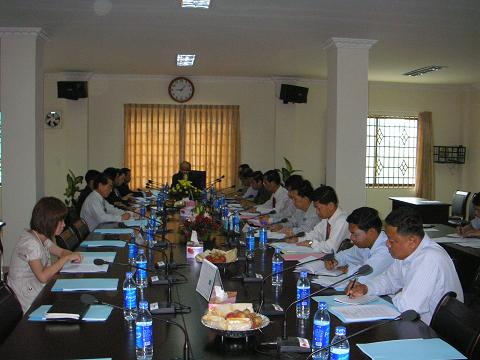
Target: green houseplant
288,170
72,188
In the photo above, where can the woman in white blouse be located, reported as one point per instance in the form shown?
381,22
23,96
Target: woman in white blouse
31,267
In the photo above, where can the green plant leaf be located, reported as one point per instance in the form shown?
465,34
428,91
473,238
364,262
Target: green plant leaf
288,164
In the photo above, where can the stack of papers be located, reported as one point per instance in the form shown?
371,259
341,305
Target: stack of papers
362,300
87,265
316,267
102,243
410,349
94,313
135,223
363,313
271,235
471,242
332,300
287,248
328,281
93,284
113,231
245,215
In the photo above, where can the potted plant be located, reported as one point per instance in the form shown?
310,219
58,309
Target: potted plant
71,190
288,170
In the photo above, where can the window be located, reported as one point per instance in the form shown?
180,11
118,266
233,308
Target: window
159,137
391,152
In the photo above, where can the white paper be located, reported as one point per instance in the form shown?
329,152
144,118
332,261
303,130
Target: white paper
358,313
344,299
446,240
318,268
194,237
473,243
287,248
83,268
271,235
209,277
328,281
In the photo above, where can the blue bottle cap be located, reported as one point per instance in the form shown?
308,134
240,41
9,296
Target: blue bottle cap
277,251
143,304
303,274
128,274
340,330
140,251
322,305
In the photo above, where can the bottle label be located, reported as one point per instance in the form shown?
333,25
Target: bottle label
321,335
132,250
301,293
251,243
143,211
143,334
339,354
277,267
263,236
130,298
141,272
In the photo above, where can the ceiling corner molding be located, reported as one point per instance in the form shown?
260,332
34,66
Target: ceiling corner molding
348,43
24,31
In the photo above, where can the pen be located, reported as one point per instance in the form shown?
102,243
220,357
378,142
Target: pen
351,287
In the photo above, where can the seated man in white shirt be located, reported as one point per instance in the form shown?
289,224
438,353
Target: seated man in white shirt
96,210
279,201
305,217
369,241
251,192
329,233
421,273
472,229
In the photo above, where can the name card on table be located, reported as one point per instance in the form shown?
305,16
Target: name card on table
209,277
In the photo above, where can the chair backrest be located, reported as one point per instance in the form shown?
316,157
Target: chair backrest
10,311
81,229
458,325
471,209
459,204
68,239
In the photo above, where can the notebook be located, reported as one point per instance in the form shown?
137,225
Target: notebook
66,310
94,313
92,284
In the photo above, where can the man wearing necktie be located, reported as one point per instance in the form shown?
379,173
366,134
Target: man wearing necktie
279,200
329,233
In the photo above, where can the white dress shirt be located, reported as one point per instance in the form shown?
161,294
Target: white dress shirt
378,257
283,204
475,223
303,220
419,281
96,210
250,193
338,233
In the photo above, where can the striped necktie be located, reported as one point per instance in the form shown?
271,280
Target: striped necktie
329,227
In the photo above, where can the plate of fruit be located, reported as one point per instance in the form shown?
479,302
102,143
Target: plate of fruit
234,320
217,256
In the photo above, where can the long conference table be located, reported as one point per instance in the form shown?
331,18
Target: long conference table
111,339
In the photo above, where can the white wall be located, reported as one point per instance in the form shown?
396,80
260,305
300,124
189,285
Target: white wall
269,128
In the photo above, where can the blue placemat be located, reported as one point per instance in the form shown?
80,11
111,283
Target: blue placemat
90,284
113,231
94,313
102,243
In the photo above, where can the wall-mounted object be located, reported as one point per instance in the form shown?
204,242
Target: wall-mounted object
53,120
449,154
72,90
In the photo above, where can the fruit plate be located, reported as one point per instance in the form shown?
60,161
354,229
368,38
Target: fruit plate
236,333
230,256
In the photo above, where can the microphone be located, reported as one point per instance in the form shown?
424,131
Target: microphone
300,234
275,310
293,344
92,300
408,315
282,221
217,180
271,212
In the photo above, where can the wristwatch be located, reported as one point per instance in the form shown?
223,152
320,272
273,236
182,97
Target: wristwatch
310,242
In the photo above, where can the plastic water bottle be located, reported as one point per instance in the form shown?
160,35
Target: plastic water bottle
277,268
321,331
341,351
143,211
150,233
225,218
129,300
236,223
143,332
303,290
250,243
142,271
262,242
132,250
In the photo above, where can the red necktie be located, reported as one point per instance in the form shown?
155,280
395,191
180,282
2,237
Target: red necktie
274,202
329,227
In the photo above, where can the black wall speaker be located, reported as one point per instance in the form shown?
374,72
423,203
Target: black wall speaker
293,94
72,90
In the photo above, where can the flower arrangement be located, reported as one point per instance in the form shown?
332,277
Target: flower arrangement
202,223
183,189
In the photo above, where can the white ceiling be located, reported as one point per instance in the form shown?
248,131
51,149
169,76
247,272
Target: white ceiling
265,38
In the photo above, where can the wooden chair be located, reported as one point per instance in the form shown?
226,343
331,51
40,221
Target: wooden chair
80,228
459,208
68,239
455,323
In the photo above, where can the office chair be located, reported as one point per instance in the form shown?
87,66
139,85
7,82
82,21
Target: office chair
68,239
455,323
459,208
80,228
471,209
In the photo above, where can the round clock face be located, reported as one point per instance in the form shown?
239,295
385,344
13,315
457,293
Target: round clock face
181,89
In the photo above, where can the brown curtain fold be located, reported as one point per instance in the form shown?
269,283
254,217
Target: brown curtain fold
159,137
425,176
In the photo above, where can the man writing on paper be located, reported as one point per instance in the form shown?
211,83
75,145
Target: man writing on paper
305,217
421,273
369,241
472,229
328,234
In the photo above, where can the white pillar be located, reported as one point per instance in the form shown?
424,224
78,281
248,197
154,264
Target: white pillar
347,89
21,104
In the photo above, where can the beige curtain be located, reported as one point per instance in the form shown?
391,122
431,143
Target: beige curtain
425,176
159,137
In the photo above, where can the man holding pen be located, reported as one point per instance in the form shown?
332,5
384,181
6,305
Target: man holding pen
472,229
421,273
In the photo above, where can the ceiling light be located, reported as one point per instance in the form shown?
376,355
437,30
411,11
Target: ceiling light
202,4
424,70
185,60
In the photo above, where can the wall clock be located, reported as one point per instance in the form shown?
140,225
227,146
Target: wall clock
53,120
181,89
